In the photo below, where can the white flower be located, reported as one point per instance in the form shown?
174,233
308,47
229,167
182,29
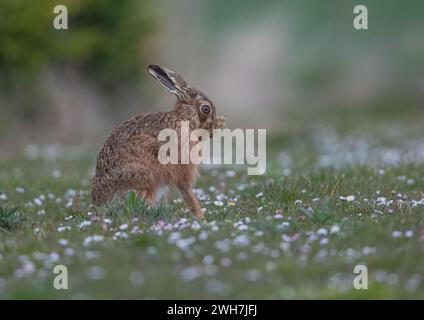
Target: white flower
20,190
38,202
69,252
350,198
185,243
70,193
56,174
243,227
253,275
381,201
285,224
52,257
397,234
63,242
241,240
3,196
230,173
63,228
222,245
120,234
94,238
409,233
260,194
174,236
152,251
335,228
369,250
96,273
259,233
218,203
220,197
123,226
324,241
226,262
322,231
195,226
27,268
203,235
190,273
85,224
90,255
208,259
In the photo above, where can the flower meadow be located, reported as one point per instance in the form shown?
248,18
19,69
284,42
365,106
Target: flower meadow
328,202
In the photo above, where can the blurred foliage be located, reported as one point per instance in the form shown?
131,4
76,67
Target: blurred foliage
10,218
322,40
310,17
104,38
323,59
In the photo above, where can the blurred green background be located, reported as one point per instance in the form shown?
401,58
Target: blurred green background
280,65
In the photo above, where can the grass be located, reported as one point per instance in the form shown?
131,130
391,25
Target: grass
327,203
9,218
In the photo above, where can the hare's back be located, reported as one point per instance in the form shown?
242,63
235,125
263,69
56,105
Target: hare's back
147,123
135,137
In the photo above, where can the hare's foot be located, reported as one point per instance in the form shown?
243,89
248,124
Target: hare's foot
192,202
147,195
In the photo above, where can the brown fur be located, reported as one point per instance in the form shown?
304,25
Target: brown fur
129,157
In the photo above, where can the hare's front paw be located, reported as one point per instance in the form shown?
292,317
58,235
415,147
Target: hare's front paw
220,122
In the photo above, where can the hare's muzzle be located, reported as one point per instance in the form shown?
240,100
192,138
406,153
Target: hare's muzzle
220,122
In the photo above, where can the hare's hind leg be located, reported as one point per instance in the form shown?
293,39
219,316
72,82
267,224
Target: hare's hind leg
150,195
145,194
134,176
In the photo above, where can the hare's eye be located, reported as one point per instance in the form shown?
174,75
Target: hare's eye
205,109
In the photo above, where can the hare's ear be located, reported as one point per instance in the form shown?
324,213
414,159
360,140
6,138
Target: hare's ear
169,79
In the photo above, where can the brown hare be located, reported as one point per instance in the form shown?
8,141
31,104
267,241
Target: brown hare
129,157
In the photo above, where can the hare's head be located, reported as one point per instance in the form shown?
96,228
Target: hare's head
189,96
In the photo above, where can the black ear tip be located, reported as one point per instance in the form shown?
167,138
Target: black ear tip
153,67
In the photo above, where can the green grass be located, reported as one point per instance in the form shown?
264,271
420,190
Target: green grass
286,234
